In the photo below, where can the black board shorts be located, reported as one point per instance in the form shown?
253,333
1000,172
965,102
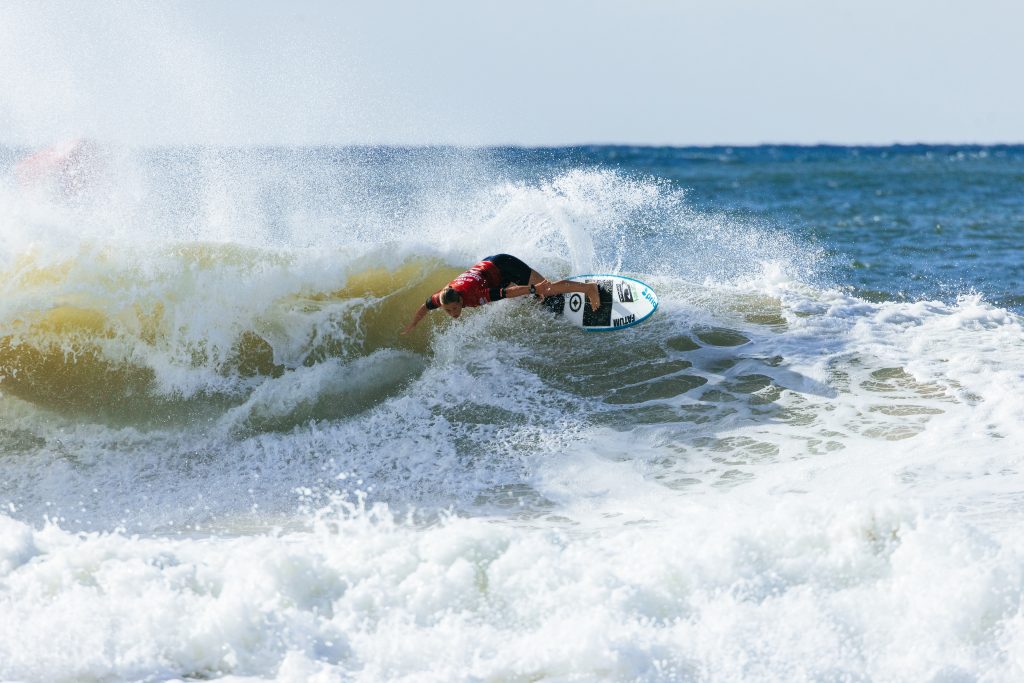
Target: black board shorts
513,271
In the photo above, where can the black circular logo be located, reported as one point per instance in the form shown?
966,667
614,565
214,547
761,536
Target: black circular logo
575,302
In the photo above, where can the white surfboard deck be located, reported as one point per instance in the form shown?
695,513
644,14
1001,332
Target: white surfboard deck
624,302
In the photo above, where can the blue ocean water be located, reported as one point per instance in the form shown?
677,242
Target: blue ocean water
902,222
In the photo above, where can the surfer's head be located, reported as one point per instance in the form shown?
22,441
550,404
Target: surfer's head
451,302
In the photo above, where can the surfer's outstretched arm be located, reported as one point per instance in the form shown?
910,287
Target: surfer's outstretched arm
416,318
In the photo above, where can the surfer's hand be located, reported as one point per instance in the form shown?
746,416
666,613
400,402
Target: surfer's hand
543,289
420,312
594,294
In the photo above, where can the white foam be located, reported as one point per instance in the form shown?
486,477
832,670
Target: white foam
727,590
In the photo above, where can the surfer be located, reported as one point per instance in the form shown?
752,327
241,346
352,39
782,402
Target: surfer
501,276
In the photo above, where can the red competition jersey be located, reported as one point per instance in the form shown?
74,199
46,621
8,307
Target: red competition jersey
475,284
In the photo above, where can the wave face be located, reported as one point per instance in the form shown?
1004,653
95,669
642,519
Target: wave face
800,468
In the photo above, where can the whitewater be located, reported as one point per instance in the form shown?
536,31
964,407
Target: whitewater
220,460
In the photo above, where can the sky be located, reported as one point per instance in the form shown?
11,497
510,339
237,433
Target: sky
525,72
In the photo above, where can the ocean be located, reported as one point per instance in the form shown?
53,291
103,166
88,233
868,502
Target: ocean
219,460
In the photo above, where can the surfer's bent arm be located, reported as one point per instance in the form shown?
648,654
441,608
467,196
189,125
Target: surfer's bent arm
545,289
590,289
562,287
509,292
416,318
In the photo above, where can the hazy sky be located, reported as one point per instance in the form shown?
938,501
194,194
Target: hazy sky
529,72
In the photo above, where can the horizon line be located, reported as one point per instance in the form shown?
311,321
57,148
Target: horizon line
543,146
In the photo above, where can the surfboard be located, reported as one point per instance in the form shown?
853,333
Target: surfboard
624,302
